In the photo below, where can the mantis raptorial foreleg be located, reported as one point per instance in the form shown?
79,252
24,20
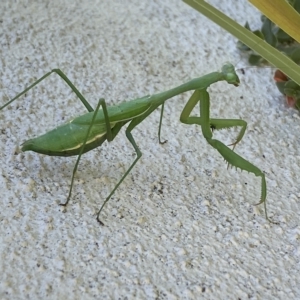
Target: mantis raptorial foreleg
217,124
229,155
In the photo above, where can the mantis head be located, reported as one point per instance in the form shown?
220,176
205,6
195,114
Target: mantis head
230,75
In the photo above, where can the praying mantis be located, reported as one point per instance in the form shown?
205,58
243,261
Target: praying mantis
92,129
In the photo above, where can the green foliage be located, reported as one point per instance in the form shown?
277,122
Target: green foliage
280,40
275,37
275,57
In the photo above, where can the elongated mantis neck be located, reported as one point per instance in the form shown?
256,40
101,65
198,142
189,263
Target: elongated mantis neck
194,84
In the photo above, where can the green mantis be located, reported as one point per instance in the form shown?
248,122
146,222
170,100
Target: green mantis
90,130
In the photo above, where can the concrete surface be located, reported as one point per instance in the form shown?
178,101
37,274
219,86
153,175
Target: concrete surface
180,226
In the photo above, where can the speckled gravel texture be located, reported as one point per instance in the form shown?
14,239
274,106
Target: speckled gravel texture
180,226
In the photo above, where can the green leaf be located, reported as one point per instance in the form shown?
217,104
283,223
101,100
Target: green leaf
255,60
281,13
267,31
276,58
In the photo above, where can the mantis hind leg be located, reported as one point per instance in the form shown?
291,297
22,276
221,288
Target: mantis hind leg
129,136
110,135
65,78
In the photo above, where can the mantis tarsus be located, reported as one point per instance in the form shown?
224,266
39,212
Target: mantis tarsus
90,130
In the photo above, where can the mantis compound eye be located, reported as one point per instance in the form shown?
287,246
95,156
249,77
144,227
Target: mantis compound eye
230,75
232,79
